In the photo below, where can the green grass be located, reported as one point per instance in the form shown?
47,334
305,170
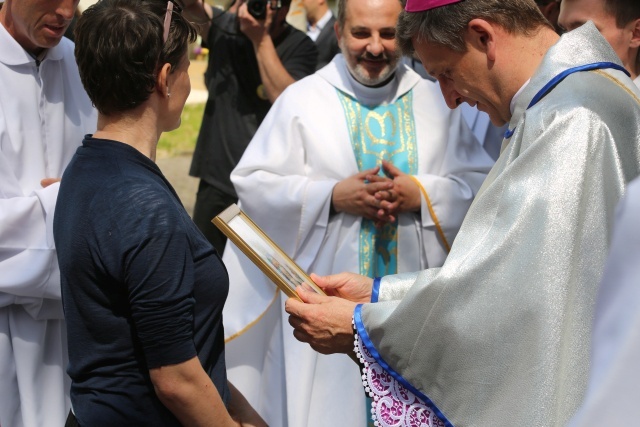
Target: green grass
182,140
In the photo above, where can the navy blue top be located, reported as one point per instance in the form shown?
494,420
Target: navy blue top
141,286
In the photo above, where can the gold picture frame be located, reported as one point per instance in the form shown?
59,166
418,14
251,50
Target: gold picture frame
263,251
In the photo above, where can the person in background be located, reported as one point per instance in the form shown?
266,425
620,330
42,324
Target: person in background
315,177
44,112
142,288
613,391
617,20
551,9
254,56
487,134
320,29
499,335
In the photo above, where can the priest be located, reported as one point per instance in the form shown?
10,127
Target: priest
499,336
309,179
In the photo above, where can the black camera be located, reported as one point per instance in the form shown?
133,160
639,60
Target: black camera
258,8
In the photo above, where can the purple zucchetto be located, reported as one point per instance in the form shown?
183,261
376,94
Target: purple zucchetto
422,5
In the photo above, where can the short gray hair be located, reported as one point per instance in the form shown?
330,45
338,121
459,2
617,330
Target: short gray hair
446,25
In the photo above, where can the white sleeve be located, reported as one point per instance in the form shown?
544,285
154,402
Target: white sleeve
42,121
28,264
615,348
395,287
274,181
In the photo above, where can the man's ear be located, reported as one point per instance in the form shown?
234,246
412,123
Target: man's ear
550,10
635,36
162,81
336,28
481,35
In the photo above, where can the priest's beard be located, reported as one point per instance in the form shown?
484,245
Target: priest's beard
359,72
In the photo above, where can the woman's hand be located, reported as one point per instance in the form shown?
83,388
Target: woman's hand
188,392
241,410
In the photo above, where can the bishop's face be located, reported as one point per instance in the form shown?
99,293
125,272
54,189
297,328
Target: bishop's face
368,39
463,77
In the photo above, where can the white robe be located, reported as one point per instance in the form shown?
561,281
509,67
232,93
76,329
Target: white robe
44,114
285,181
613,392
487,134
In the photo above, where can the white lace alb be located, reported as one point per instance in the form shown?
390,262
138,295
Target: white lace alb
393,405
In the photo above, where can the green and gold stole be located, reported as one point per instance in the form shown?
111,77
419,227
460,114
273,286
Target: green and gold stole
384,132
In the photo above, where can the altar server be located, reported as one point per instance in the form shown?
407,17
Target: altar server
44,112
613,391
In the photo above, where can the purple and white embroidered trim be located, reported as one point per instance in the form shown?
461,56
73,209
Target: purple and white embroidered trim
393,405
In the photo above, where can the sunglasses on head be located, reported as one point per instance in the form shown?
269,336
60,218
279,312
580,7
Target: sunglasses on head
171,5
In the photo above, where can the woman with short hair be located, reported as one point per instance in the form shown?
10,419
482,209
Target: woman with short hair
142,289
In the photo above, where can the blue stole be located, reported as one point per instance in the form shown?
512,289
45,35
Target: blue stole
383,132
563,75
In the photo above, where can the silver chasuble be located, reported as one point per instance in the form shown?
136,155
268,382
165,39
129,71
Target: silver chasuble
500,334
381,132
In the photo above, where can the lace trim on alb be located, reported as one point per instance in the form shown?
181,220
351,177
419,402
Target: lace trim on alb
393,405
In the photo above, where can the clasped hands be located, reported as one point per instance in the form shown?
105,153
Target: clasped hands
375,197
324,322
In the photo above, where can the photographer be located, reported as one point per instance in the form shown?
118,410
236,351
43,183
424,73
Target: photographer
254,56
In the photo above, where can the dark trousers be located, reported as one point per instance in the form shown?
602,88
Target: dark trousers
71,421
210,201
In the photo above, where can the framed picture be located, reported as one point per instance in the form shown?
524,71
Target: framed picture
263,252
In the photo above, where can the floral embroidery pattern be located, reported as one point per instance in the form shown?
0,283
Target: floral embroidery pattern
393,405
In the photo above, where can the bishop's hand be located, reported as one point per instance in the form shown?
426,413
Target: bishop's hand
321,321
350,286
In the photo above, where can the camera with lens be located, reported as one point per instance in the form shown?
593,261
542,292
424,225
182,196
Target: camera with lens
258,8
